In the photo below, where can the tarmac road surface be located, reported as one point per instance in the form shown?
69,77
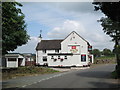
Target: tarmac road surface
96,77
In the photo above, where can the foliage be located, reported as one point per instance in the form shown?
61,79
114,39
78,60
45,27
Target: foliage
114,74
13,27
111,25
117,50
96,52
110,9
111,28
106,52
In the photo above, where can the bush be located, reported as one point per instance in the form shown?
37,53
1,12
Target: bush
114,74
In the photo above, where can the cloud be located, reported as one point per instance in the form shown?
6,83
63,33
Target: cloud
67,27
97,40
57,12
59,19
84,7
55,0
29,47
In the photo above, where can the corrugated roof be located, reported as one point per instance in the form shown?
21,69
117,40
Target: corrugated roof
49,45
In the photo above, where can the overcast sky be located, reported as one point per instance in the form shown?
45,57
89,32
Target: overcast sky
58,19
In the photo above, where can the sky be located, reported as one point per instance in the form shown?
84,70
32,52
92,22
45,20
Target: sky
58,19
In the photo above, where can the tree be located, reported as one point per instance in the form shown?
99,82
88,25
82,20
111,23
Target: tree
106,52
14,32
96,52
111,25
110,9
111,28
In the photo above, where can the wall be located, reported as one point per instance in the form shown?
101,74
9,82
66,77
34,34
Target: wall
75,40
40,54
71,40
12,63
23,62
58,62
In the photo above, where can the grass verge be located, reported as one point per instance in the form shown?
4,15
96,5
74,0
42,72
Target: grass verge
114,75
25,71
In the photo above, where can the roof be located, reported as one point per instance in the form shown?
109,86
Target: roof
13,55
49,45
53,44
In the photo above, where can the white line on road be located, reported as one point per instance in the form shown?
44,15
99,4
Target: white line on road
51,77
44,79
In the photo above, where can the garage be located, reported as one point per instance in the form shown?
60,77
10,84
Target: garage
15,60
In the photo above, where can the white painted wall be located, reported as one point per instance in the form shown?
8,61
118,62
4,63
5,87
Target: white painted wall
74,41
15,63
23,62
81,46
58,62
71,40
40,54
12,63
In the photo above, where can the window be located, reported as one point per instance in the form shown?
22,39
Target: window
44,58
11,59
65,57
44,51
83,58
57,51
52,57
58,57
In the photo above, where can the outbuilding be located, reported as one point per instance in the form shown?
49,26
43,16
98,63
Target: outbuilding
14,60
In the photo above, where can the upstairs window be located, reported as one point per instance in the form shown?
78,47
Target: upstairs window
52,57
57,51
44,51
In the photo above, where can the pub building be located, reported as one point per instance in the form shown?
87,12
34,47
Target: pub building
71,51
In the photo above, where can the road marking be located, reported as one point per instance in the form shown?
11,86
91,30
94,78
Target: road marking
58,75
45,79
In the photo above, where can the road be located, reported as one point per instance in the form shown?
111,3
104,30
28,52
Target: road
96,77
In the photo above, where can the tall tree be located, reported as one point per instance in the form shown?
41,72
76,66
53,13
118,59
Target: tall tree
111,28
96,52
110,9
14,32
106,52
111,25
